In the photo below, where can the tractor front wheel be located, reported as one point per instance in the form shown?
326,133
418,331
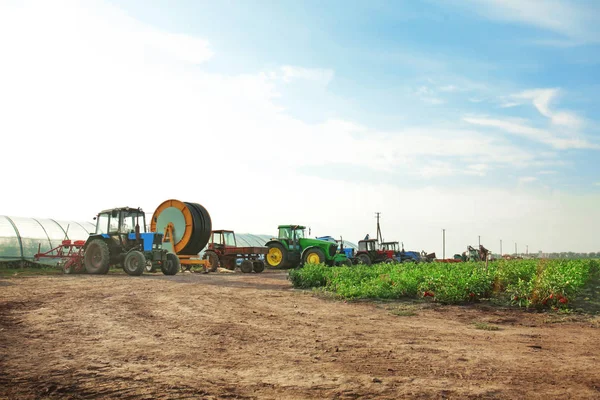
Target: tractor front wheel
347,262
97,257
246,266
213,260
364,259
313,256
171,265
134,263
277,256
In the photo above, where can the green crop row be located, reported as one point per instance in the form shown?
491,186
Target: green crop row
540,283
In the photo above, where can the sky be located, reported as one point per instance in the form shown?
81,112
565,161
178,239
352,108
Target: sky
474,116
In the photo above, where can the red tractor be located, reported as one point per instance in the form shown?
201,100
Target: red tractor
368,253
223,251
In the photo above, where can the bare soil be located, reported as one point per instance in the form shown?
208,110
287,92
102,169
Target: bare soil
245,336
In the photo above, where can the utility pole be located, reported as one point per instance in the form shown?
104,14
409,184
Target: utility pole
527,249
444,243
516,253
500,247
379,236
479,239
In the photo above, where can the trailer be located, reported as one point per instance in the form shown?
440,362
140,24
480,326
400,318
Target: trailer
223,251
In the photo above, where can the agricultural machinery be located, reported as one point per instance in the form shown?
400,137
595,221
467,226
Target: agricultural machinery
401,255
291,248
348,251
185,228
369,253
223,251
120,239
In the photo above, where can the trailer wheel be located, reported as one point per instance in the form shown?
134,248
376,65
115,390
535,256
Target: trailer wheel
364,259
246,266
134,263
258,266
277,255
171,265
347,262
97,257
213,260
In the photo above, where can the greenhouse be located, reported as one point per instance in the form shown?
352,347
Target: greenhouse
21,238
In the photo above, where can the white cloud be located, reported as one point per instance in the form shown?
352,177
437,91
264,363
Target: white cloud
291,73
542,98
478,169
520,128
527,179
577,21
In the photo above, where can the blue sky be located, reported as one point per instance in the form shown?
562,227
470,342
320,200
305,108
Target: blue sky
417,63
476,116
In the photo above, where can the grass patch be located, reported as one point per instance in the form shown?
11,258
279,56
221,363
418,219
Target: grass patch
6,272
403,312
485,326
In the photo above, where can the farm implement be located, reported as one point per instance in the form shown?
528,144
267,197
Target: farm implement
185,229
223,251
120,240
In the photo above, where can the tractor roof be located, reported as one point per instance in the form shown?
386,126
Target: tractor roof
368,240
389,242
291,226
130,209
222,231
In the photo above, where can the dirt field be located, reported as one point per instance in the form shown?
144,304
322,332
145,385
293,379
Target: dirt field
252,336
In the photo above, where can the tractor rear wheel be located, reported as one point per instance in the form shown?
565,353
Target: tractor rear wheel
347,262
277,256
134,263
213,260
246,266
97,257
313,256
258,266
229,263
364,259
171,265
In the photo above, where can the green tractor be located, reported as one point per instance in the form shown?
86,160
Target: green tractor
292,249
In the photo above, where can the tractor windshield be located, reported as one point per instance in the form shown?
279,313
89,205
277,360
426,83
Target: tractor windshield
299,233
130,220
390,246
229,239
102,224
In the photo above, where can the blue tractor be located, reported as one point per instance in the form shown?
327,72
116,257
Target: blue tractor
121,239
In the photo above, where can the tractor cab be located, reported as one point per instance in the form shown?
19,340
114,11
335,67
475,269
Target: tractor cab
291,234
221,239
367,245
126,227
123,220
390,246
